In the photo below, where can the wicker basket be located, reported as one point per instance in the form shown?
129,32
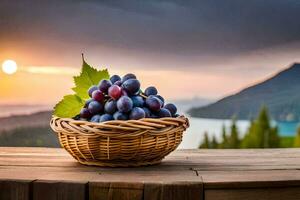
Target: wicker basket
120,143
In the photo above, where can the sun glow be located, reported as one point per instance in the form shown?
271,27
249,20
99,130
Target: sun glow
9,67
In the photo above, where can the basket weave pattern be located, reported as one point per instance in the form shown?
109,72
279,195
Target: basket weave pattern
120,143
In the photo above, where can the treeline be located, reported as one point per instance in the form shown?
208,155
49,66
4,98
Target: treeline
260,134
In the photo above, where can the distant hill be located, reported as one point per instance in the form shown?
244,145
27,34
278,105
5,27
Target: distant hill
29,130
29,120
280,93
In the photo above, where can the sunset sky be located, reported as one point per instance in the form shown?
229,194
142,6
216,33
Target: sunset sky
204,48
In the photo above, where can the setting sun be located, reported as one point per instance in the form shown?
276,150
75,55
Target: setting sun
9,67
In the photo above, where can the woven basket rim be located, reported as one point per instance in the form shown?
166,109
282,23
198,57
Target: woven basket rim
180,118
156,126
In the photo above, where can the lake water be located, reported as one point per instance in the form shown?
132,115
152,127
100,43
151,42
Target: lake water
194,135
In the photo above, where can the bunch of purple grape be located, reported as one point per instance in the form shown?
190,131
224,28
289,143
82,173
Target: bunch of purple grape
122,99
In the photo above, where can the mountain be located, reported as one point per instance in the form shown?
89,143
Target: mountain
280,93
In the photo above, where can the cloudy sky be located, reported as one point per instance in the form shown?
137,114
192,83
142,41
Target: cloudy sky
205,48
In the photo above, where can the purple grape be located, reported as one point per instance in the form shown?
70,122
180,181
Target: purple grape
120,116
132,86
104,85
164,113
124,104
137,113
85,113
172,108
92,89
118,83
87,103
96,118
95,107
153,103
115,92
138,101
150,91
97,95
162,99
110,107
176,115
127,77
124,93
106,117
147,112
115,78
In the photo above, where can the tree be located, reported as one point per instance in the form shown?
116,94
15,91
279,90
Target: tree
224,144
260,133
233,140
206,143
297,138
214,143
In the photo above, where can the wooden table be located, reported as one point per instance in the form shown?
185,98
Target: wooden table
44,173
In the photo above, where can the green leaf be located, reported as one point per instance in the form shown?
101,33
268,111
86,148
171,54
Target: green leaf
89,76
69,107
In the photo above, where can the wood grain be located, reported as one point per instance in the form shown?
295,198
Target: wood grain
174,191
15,189
49,173
285,193
56,190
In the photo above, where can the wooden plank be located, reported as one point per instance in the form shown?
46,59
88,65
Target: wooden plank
15,189
54,190
116,191
249,179
174,191
283,193
73,174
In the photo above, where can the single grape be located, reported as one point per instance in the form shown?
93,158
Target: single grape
124,93
106,117
115,78
147,112
85,113
92,89
95,107
172,108
164,113
132,86
176,115
138,101
162,99
88,102
150,91
96,118
137,113
127,77
97,95
110,107
120,116
118,83
153,103
104,85
115,92
124,104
